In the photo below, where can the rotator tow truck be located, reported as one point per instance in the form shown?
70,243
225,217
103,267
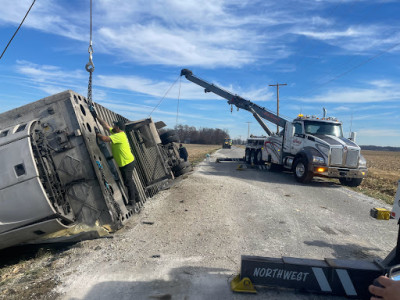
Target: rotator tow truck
308,146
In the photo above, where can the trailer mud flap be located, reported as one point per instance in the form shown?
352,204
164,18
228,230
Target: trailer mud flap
349,278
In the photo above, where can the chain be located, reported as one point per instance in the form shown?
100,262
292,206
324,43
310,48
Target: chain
90,66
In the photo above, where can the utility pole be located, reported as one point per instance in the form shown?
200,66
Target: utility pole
277,100
248,129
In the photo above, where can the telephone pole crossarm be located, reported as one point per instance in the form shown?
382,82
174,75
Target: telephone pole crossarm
277,100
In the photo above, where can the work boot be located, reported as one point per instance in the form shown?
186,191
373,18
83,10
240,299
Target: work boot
136,208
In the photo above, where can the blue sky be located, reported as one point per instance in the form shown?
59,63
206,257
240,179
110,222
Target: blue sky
341,54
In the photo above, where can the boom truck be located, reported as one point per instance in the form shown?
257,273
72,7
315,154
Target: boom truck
308,146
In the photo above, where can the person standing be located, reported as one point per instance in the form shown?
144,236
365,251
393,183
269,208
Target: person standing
122,154
183,152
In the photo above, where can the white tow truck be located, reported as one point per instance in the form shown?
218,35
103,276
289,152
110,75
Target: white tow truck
308,146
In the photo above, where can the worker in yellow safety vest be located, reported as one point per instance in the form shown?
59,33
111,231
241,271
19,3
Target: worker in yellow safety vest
122,154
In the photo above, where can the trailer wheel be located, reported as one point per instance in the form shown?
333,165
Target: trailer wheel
353,182
247,156
301,172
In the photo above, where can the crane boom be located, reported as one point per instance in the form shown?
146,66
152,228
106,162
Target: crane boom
236,100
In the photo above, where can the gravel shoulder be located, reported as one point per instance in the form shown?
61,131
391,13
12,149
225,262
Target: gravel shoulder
187,242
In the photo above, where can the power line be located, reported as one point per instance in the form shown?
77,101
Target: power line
305,49
355,67
18,28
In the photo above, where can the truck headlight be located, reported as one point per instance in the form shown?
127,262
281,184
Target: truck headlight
318,160
362,163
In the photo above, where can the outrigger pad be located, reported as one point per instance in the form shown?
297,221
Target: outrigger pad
349,278
242,285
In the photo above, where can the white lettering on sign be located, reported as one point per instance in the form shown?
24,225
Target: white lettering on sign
280,274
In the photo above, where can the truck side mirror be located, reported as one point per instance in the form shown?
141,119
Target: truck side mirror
353,136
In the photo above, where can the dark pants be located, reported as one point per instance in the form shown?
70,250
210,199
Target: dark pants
127,176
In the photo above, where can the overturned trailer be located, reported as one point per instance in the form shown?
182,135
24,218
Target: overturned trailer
55,174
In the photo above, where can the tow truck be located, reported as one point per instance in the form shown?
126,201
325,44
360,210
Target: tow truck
308,146
227,144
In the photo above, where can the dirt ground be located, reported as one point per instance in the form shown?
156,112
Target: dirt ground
30,272
187,242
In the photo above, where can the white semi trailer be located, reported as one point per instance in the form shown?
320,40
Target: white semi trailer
55,174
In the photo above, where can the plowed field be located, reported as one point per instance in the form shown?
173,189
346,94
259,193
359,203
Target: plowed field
383,174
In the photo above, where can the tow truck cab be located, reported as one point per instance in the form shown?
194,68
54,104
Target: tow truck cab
317,145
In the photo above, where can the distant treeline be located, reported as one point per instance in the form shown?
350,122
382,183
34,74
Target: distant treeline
191,135
380,148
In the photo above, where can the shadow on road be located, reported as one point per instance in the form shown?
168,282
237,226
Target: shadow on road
232,169
346,251
189,283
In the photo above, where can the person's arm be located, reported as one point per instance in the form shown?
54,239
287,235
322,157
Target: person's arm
104,124
104,138
95,116
389,291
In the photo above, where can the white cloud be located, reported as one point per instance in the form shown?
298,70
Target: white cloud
51,79
356,38
48,16
184,33
383,83
144,110
348,95
379,132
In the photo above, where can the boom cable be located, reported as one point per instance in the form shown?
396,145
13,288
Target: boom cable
162,99
18,28
179,97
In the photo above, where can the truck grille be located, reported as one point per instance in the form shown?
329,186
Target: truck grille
346,159
337,157
352,158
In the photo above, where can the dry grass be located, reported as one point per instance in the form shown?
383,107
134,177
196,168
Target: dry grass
197,153
383,175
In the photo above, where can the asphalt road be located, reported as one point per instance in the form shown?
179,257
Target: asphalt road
188,241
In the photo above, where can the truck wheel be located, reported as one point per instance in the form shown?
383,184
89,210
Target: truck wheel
301,172
252,157
182,171
180,166
247,156
167,134
258,158
353,182
170,139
